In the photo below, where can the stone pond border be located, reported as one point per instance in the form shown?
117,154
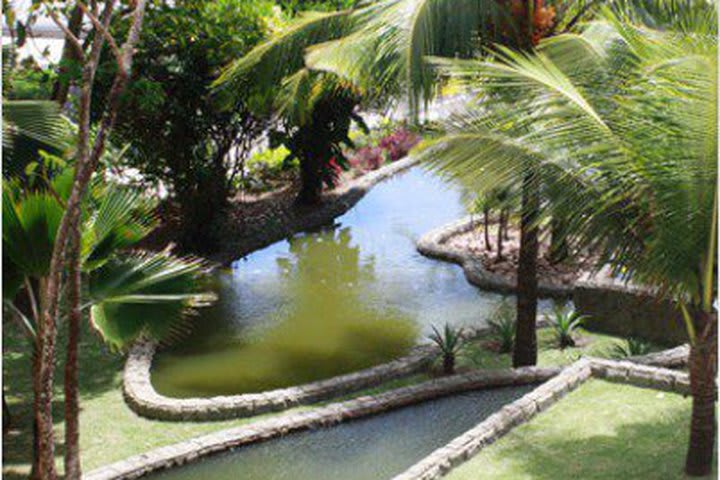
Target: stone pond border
143,399
141,396
465,446
434,244
183,452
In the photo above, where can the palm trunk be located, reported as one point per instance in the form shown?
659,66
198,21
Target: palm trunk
72,408
525,351
499,255
486,221
703,370
505,218
310,182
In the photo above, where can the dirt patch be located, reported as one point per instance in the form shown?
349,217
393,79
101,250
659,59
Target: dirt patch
472,242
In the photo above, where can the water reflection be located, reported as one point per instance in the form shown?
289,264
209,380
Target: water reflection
331,301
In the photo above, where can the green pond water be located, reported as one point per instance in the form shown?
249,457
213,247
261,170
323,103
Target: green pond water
372,448
329,302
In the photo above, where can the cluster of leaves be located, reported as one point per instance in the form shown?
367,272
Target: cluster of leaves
177,133
566,322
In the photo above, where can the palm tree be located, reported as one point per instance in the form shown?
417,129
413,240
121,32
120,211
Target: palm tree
127,294
314,109
623,119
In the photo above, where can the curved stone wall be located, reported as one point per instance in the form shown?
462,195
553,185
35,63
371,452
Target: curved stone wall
192,449
434,244
612,306
142,397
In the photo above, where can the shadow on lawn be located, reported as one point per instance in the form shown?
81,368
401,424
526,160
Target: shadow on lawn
98,373
637,451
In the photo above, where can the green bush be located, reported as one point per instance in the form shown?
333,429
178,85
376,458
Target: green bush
502,326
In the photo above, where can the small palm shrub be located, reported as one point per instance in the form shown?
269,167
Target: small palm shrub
566,322
503,327
450,341
632,347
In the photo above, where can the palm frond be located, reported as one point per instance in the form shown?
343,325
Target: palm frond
145,294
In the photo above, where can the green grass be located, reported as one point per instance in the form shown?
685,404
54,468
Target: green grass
479,355
600,431
110,431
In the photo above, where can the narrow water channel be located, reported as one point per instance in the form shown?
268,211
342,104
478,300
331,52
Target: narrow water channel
330,302
373,448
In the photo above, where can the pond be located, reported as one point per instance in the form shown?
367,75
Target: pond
325,303
372,448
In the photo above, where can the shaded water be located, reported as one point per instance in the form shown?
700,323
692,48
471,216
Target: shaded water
332,301
373,448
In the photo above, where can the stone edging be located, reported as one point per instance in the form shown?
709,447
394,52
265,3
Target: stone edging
434,244
192,449
335,203
462,448
141,396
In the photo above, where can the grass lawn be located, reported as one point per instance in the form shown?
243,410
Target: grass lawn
601,431
110,431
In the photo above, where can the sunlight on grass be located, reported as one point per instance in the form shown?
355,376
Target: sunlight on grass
600,431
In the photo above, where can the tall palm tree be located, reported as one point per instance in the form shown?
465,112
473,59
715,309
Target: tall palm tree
623,119
128,294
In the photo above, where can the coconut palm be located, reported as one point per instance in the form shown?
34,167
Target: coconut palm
128,294
623,119
314,109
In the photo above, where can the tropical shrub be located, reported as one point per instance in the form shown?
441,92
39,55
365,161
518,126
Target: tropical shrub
450,343
502,327
399,143
565,323
177,133
631,348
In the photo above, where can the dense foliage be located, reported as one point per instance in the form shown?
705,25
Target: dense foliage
177,135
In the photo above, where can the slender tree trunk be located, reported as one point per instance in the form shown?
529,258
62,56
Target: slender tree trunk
703,370
85,164
72,408
525,351
499,255
486,221
7,420
43,369
69,54
505,218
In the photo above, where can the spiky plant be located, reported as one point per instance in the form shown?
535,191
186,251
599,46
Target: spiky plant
450,342
503,326
632,347
566,322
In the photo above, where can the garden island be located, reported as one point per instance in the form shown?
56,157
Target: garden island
359,239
